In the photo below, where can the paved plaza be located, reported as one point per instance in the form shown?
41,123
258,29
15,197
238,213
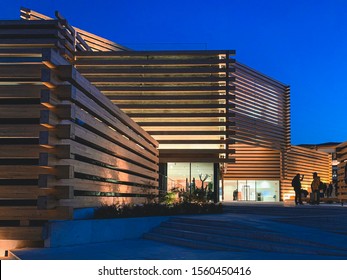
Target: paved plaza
245,231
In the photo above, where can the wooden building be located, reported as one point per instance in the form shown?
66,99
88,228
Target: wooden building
86,121
341,151
330,148
218,122
184,99
261,139
306,161
212,117
64,145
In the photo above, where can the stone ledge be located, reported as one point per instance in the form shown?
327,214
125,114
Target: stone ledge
78,232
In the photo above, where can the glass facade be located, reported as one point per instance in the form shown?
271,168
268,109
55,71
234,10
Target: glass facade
251,190
182,175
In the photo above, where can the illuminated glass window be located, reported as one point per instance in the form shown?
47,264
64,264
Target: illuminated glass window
186,175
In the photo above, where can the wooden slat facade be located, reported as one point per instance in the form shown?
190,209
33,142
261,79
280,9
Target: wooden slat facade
253,163
262,109
306,161
63,144
341,151
177,98
66,145
181,98
83,40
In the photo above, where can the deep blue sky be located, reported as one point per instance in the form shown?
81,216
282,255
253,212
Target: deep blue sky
302,43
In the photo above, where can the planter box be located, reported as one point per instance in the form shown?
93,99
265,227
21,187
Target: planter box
77,232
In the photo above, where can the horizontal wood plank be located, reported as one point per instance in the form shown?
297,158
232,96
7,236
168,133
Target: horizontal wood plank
32,213
21,130
21,233
33,192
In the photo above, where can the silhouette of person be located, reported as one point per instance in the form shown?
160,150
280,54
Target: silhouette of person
336,187
330,189
235,193
315,188
296,184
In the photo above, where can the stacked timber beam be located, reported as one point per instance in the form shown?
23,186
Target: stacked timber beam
341,151
21,218
262,127
82,40
261,110
255,163
306,161
71,40
109,158
184,99
63,144
199,105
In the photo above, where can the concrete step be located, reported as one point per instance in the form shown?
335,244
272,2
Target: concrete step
236,232
195,244
255,230
295,211
214,224
219,235
249,244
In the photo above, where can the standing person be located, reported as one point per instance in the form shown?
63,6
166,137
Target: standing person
296,184
315,188
235,193
336,188
324,187
330,189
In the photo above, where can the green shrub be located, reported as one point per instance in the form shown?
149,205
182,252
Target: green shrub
155,209
170,198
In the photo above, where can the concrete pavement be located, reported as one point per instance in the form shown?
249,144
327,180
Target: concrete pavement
259,231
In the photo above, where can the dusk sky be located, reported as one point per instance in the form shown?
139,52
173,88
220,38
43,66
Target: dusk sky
302,43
